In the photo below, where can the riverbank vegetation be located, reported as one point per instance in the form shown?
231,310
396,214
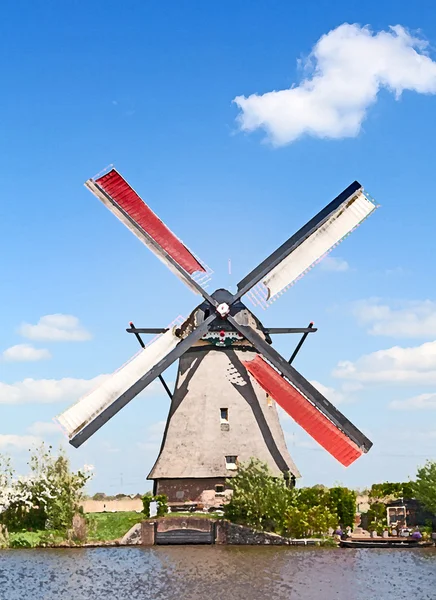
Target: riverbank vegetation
266,503
44,507
39,508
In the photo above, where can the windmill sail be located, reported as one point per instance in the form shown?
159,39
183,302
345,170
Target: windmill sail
122,200
312,420
88,408
90,413
308,246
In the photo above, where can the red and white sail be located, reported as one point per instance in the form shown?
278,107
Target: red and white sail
122,200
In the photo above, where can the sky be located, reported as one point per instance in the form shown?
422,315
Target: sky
236,122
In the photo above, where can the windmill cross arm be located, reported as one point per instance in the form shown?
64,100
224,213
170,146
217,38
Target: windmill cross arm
154,330
275,330
314,396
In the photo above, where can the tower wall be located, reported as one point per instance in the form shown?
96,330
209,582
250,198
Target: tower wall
198,442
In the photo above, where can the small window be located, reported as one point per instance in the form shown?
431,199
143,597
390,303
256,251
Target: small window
224,412
219,488
231,462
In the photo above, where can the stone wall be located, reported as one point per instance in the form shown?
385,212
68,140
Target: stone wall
230,533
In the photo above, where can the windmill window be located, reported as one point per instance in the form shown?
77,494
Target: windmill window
219,488
232,462
224,412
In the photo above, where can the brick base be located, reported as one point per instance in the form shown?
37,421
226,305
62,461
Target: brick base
194,491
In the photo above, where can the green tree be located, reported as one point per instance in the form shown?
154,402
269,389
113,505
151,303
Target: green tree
259,499
312,496
424,487
392,491
342,502
377,520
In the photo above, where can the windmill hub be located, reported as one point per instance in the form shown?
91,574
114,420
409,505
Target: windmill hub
223,309
223,409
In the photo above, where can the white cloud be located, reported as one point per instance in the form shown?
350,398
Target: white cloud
331,263
25,353
18,442
56,328
396,365
346,69
404,319
334,396
421,402
44,428
47,391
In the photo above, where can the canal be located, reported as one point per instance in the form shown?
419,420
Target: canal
217,572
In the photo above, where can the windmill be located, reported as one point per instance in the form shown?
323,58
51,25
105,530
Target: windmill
230,378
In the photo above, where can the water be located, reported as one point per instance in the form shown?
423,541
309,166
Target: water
217,573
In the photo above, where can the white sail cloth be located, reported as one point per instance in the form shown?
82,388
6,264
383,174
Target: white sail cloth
80,414
319,243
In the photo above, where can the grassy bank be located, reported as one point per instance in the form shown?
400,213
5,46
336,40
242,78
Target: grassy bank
111,526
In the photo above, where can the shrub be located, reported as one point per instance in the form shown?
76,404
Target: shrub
259,499
162,505
47,498
146,501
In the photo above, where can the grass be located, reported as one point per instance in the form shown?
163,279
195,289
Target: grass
195,514
102,527
34,539
111,526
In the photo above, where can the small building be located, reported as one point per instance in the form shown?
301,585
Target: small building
405,512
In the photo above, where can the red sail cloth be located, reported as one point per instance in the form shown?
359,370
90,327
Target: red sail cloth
120,191
303,412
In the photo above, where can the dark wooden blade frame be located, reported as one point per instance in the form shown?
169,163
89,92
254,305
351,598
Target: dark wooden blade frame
306,388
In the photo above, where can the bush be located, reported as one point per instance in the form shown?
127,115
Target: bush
47,498
146,501
259,500
162,505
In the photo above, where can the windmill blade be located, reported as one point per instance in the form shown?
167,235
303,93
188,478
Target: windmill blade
91,412
323,421
309,245
122,200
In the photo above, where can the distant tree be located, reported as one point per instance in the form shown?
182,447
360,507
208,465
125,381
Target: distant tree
391,491
99,496
342,502
424,487
377,520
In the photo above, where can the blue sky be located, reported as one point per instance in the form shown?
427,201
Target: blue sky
150,88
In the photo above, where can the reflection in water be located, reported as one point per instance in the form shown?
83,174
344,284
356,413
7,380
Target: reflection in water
218,572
